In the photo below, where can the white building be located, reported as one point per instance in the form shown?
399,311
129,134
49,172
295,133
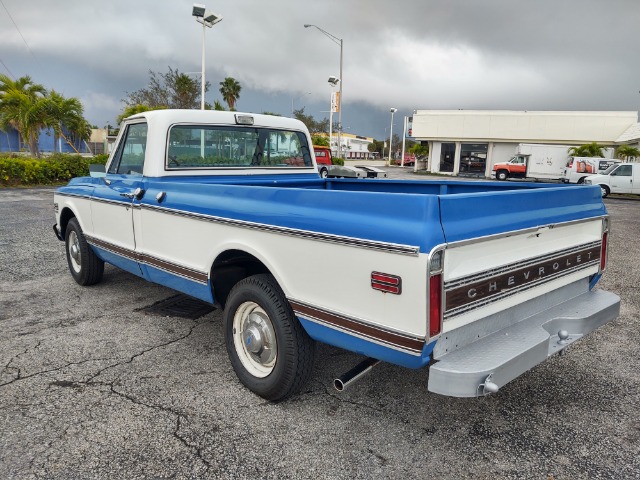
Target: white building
492,136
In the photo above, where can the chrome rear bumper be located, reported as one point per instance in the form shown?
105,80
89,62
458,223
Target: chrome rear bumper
492,361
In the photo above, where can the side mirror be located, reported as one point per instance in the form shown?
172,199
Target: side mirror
97,170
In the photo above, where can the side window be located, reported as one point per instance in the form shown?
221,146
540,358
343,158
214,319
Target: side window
129,158
623,171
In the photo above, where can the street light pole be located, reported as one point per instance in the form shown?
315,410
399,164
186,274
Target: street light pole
392,110
202,81
207,19
337,41
332,81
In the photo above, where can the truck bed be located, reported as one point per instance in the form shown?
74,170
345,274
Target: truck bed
466,209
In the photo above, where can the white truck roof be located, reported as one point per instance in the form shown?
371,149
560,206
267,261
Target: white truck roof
159,122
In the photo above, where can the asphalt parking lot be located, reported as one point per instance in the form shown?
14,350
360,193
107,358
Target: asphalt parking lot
92,386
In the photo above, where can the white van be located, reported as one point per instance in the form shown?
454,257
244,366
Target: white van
623,178
579,168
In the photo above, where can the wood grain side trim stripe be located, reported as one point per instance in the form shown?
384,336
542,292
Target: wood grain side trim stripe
182,271
396,340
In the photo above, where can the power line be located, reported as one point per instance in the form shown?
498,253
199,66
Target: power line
7,68
16,25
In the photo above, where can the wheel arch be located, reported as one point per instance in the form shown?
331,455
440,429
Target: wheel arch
230,267
66,215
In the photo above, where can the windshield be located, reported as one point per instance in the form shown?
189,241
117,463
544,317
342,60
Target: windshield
610,169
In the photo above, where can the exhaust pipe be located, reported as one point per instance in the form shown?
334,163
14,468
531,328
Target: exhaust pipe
355,374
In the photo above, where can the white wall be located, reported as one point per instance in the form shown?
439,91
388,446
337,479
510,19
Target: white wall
521,126
502,152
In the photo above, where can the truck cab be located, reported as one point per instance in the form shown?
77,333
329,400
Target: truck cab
323,159
516,168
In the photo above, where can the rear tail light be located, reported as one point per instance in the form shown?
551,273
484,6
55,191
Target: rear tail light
603,251
435,293
435,304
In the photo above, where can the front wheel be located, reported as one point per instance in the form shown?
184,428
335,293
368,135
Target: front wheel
85,266
269,350
502,175
605,191
324,173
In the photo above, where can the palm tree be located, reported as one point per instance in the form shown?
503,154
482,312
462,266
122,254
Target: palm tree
623,152
62,113
230,91
79,129
22,108
592,149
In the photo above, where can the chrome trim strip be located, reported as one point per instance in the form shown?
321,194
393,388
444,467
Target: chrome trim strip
97,199
324,237
523,231
353,326
155,262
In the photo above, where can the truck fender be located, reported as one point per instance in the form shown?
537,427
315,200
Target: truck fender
235,262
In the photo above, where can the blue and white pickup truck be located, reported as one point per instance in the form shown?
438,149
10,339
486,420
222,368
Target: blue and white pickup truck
479,281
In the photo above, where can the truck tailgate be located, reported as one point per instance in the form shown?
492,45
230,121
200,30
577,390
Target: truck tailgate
517,275
479,214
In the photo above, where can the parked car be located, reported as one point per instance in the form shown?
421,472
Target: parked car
622,178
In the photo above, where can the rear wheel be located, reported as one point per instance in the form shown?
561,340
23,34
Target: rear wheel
85,266
581,181
269,350
324,173
502,174
605,191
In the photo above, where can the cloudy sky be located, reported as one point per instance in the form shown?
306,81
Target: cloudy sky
408,54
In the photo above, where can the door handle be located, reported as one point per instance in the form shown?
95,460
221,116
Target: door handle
138,193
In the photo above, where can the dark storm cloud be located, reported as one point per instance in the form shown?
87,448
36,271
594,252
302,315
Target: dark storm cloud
410,54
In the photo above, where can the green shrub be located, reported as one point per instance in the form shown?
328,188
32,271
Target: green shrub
337,161
58,168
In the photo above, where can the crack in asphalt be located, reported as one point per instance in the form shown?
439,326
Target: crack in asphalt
91,381
133,357
8,366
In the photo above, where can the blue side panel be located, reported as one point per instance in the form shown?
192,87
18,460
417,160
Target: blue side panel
119,261
194,289
364,347
468,216
409,219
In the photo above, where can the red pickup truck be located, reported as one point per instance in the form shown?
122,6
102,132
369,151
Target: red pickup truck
326,168
323,158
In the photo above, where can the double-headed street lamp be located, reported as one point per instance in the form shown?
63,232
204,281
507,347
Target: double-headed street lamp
392,110
207,19
338,41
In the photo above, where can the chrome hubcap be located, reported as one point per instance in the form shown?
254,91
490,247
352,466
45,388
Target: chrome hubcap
74,251
254,339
